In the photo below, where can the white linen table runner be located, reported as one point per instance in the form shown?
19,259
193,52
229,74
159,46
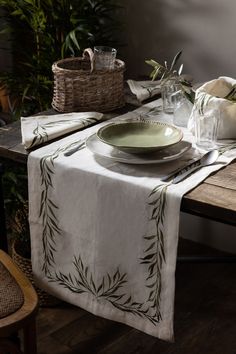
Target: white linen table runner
104,234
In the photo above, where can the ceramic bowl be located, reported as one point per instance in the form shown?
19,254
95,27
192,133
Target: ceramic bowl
139,136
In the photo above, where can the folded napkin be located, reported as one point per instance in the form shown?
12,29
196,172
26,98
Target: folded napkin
37,130
144,89
210,97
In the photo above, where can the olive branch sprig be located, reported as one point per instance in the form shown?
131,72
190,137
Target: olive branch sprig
154,254
41,131
164,71
48,207
226,148
84,281
109,288
40,136
167,72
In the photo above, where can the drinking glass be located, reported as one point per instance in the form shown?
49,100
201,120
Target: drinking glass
182,109
168,90
104,58
205,127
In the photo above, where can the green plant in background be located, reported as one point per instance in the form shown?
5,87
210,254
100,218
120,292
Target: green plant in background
41,32
44,31
16,206
167,72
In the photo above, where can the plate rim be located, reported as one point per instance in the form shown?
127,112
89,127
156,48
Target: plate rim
135,160
142,121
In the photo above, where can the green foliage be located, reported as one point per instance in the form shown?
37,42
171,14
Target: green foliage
167,72
44,31
16,205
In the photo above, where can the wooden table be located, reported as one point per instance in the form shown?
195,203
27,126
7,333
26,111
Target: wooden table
215,198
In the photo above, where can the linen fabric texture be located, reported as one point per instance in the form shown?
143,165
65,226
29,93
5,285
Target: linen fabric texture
144,89
210,98
39,129
104,234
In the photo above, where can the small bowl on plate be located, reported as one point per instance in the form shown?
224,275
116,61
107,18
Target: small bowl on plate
138,137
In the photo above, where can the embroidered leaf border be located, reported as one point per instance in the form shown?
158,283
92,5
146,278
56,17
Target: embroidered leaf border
48,207
109,288
154,254
41,131
82,283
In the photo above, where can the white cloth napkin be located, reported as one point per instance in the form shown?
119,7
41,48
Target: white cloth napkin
104,234
210,97
39,129
144,89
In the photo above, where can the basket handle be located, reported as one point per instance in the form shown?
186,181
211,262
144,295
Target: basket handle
88,52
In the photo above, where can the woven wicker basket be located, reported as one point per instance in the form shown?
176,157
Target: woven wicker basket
78,87
25,265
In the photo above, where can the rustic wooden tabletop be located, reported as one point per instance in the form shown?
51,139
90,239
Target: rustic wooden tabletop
215,198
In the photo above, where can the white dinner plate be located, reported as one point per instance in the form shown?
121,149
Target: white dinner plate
97,147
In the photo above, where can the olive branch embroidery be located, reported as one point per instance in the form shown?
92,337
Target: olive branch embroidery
48,207
201,102
152,111
224,149
41,131
151,88
154,254
110,287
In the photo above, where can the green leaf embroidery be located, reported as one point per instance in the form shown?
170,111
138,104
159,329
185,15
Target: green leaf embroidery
110,288
48,208
41,131
154,254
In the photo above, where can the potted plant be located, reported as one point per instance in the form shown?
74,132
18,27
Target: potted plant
42,32
16,206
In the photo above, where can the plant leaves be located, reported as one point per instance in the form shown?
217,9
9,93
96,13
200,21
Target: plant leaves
176,58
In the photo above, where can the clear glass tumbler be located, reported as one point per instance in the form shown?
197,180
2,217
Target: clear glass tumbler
168,91
104,58
205,127
182,109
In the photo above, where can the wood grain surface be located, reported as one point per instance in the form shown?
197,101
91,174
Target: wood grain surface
214,198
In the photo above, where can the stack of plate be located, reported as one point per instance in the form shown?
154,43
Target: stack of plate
139,142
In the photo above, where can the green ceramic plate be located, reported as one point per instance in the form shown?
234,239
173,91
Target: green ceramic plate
139,136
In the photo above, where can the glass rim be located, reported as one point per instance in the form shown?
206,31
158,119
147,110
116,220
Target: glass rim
106,49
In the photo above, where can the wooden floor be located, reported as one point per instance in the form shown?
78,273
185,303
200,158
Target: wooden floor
205,318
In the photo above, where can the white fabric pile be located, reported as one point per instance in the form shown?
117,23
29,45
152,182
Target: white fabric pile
210,97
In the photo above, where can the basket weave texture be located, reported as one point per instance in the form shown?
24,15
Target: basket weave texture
11,296
25,266
78,87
